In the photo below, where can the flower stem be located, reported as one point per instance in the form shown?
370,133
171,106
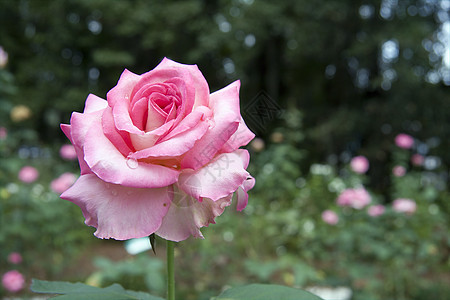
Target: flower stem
170,271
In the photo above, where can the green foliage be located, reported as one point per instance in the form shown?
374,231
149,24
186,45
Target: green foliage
265,292
76,291
138,273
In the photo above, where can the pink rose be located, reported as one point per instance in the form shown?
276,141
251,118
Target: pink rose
330,217
404,141
13,281
160,155
376,210
28,174
356,198
63,182
417,159
359,164
68,152
404,205
15,258
399,171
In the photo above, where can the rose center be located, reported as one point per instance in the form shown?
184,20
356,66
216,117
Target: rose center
155,105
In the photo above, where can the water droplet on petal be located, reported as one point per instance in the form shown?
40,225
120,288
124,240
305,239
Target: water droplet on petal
127,97
132,163
114,192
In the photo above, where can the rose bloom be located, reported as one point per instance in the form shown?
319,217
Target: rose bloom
330,217
68,152
356,198
417,159
15,258
13,281
63,182
359,164
376,210
404,141
404,205
3,133
28,174
399,171
161,155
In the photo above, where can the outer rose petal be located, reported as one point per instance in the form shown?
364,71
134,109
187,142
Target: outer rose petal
240,138
105,160
218,179
187,215
83,166
124,87
225,106
116,211
94,103
242,196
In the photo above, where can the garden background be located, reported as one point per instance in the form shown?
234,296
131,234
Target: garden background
322,83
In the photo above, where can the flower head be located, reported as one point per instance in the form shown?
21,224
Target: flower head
357,198
68,152
15,258
13,281
404,205
161,155
359,164
28,174
376,210
404,141
330,217
399,171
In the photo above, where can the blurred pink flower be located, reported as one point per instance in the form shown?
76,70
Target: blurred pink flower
404,205
13,281
15,258
376,210
28,174
356,198
404,141
417,159
3,58
359,164
399,171
68,152
63,182
3,133
330,217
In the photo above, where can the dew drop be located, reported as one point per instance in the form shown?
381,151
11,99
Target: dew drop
132,163
114,192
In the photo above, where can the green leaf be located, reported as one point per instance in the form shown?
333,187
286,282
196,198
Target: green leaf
78,290
265,292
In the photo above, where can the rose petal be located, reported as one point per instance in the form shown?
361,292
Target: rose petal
94,103
122,91
182,139
83,166
187,215
199,81
242,195
120,139
240,138
106,161
225,106
218,179
119,212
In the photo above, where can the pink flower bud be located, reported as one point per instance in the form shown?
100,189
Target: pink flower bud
404,141
330,217
15,258
404,205
359,164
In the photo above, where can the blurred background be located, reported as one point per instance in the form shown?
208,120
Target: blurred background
350,102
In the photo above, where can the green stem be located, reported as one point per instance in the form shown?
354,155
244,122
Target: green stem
170,271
